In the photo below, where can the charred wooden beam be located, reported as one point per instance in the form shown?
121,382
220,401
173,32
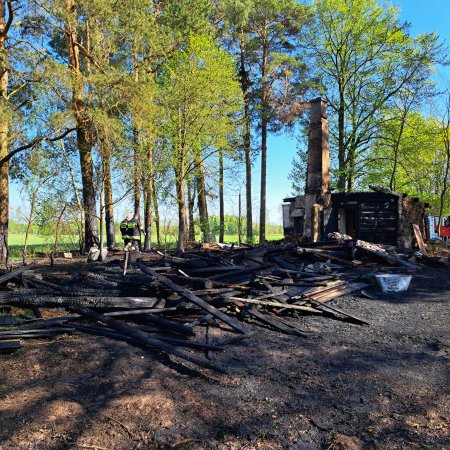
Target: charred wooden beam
194,299
144,338
389,259
9,346
276,323
45,300
14,273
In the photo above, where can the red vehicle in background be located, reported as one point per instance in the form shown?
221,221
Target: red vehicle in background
445,227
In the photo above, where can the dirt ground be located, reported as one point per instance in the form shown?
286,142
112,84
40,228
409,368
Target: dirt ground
383,386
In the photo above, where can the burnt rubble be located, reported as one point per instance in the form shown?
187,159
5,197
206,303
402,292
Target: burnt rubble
191,306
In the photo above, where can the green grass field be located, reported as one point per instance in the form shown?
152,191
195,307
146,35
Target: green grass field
38,244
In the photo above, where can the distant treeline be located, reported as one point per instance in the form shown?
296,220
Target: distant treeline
231,227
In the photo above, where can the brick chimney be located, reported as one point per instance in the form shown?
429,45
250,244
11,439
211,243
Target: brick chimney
318,172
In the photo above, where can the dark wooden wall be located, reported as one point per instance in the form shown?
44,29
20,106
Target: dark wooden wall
376,215
384,218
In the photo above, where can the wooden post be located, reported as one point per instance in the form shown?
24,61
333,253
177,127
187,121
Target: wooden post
315,222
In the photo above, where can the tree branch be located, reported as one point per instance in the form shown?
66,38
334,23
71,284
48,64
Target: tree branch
33,143
10,18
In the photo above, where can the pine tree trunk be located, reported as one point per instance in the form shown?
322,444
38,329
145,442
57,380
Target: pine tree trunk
247,141
181,200
202,205
136,173
264,124
156,215
262,211
221,200
87,179
136,159
149,201
191,202
102,220
83,138
109,210
4,175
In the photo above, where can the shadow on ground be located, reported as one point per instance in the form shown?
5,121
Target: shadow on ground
347,386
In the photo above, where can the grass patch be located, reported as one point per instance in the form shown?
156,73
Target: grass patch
38,244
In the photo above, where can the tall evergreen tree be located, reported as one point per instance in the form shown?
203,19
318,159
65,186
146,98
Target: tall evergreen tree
278,73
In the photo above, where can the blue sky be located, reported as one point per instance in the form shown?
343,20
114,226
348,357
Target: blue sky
424,16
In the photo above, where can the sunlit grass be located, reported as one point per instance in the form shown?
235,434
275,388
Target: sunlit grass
38,244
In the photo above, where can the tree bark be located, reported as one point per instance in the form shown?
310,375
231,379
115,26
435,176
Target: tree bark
136,158
83,129
156,215
351,168
77,197
107,185
57,234
221,200
136,172
191,202
27,233
102,218
244,78
392,184
180,187
264,123
202,205
181,200
341,140
148,216
446,139
4,126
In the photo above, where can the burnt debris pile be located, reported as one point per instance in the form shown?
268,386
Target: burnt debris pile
192,306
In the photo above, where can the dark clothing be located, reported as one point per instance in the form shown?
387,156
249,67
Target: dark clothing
124,228
134,232
131,232
134,229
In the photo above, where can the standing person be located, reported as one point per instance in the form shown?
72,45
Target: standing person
134,231
124,230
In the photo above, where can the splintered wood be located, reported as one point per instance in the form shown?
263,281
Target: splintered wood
204,300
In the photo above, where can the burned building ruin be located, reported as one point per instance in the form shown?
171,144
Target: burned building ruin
380,216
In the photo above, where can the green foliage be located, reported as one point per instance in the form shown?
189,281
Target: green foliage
421,159
199,102
278,72
162,76
364,57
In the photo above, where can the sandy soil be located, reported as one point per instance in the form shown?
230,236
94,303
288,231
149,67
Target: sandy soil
384,386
